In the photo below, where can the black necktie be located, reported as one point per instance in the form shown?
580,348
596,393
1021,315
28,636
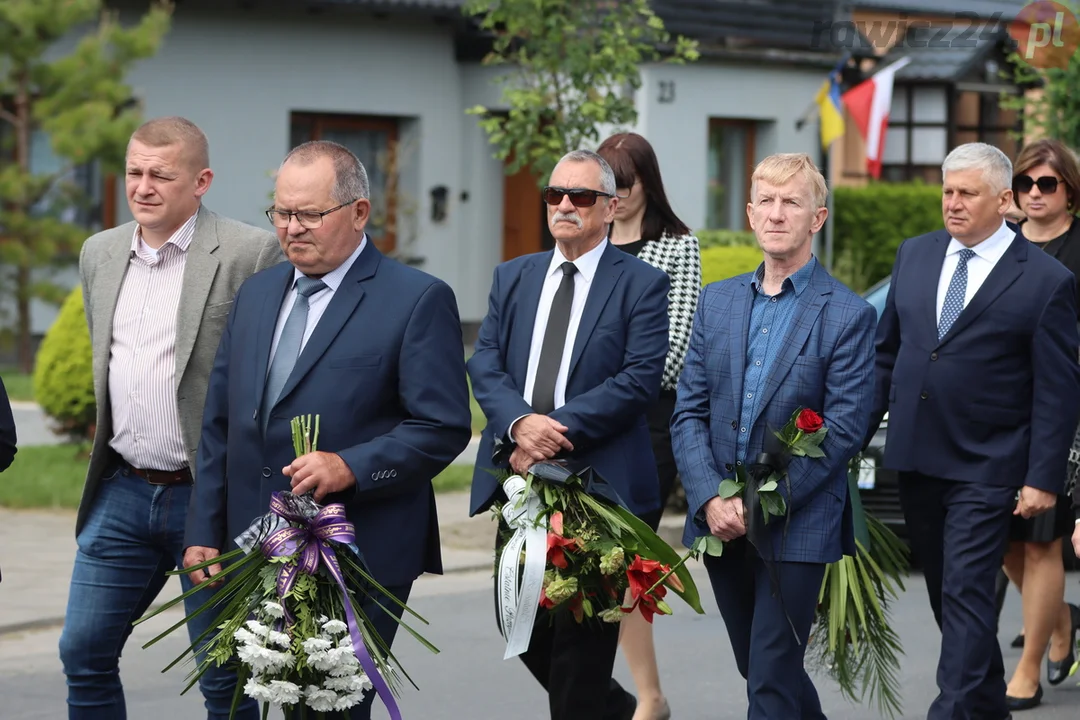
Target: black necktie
547,371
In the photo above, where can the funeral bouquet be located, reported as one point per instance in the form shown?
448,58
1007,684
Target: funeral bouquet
568,544
851,637
289,613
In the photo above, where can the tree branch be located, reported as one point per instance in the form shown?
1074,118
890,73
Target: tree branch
9,118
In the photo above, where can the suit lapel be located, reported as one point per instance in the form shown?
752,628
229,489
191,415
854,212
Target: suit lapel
108,281
607,275
928,283
531,285
266,325
739,317
200,267
808,306
337,313
1004,274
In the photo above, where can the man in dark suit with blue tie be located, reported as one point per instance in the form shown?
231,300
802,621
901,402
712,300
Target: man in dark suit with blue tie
371,346
568,360
763,345
977,369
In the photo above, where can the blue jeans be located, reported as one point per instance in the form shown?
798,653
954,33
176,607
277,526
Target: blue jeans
132,537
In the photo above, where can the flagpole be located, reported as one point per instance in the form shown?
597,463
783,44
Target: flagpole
829,205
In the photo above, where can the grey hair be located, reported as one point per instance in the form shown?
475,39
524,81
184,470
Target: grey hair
994,164
350,177
607,175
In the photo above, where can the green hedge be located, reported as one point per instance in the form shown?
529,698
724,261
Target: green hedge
726,238
720,263
870,222
63,371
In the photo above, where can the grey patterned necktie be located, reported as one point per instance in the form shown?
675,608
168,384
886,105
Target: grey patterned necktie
954,298
288,348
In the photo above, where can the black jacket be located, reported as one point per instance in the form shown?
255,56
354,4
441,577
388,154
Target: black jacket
7,430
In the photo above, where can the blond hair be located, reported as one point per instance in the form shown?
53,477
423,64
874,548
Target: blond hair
166,131
780,168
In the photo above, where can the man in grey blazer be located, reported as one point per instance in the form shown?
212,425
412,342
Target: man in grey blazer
157,292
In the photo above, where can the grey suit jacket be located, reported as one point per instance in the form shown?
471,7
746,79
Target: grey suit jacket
222,254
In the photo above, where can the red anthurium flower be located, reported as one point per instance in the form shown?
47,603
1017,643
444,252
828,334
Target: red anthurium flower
556,542
809,421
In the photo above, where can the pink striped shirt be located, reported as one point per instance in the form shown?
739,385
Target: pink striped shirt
142,359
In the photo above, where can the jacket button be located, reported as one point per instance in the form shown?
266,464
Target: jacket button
933,356
727,466
924,395
266,472
374,476
734,424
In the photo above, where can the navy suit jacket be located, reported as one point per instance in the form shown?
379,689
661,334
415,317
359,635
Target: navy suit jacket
385,370
826,363
996,400
615,372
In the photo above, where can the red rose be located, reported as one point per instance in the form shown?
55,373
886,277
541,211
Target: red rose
809,421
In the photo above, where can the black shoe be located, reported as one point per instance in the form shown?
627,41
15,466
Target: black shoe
1015,704
1018,641
1058,672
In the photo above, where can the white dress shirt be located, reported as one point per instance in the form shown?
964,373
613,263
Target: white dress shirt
987,254
317,302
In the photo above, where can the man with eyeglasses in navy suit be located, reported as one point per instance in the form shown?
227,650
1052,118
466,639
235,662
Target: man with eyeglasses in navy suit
568,359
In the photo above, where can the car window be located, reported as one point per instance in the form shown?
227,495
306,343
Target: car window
876,296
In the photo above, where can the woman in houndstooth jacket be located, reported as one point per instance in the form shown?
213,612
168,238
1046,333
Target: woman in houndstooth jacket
646,226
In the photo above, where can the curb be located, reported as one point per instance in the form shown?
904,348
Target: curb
51,622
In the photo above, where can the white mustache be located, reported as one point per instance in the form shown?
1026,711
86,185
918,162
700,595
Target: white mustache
571,217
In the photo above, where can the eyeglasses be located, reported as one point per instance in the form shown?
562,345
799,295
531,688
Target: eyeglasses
1048,184
579,197
309,219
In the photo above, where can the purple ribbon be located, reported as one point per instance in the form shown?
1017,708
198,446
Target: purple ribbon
312,540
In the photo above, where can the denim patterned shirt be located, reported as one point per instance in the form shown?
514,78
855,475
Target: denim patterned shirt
769,320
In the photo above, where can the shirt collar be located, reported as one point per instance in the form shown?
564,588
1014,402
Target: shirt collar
798,281
586,264
334,278
992,248
181,238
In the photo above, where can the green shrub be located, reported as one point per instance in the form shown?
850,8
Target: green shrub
63,371
725,238
720,263
870,223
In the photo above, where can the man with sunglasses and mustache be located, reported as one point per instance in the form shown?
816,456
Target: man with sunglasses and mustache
568,360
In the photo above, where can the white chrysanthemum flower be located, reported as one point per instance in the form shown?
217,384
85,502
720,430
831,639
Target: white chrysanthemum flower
345,702
273,609
257,691
279,638
247,637
335,627
348,683
345,642
284,693
257,627
265,660
323,619
320,699
317,645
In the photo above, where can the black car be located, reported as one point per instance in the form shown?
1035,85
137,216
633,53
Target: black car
878,486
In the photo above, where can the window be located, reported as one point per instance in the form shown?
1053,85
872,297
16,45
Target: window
925,122
373,140
731,163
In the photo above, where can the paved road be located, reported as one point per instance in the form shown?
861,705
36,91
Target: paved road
470,680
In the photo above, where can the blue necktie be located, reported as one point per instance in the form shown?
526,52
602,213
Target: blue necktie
954,298
288,348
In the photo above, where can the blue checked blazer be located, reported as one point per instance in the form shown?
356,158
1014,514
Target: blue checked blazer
825,363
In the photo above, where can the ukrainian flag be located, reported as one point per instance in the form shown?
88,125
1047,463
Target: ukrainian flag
832,118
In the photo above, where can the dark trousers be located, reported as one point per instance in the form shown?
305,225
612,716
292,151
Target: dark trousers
766,651
960,531
386,627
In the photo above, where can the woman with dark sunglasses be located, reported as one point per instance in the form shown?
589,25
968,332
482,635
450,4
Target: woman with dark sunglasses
1046,187
646,226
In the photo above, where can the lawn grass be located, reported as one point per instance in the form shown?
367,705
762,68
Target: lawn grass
52,476
478,419
19,385
45,476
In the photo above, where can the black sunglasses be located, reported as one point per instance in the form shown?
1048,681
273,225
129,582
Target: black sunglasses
579,197
1023,183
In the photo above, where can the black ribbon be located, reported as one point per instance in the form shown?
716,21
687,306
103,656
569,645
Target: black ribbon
561,473
774,459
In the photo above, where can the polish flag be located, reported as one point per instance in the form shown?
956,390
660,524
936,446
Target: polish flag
869,103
